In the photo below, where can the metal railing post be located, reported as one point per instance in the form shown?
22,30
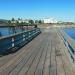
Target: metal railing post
13,41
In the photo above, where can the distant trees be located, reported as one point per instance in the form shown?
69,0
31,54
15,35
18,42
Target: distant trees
13,19
19,21
31,22
40,21
36,21
9,22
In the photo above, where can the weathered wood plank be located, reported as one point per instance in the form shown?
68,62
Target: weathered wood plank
27,61
39,70
53,62
60,65
69,69
47,60
30,68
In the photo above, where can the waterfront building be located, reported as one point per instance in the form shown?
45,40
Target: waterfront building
26,21
50,20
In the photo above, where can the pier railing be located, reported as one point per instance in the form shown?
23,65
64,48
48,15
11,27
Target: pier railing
69,43
16,41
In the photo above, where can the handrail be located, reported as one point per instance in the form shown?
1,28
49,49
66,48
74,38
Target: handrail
70,43
16,41
12,35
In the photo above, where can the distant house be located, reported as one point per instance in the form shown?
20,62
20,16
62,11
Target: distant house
24,21
50,20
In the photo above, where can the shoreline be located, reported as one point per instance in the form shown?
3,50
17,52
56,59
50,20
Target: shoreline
55,26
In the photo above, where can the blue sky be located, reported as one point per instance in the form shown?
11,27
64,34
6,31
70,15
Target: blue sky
38,9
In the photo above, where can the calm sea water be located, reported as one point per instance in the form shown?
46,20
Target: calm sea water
5,31
70,32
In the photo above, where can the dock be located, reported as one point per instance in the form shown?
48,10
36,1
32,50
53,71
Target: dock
44,55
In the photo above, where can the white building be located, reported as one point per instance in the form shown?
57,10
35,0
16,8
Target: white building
50,20
26,21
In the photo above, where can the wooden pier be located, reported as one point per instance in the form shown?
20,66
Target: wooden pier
44,55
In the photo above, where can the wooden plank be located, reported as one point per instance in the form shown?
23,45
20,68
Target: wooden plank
47,61
69,69
53,62
28,68
39,69
27,61
35,64
60,66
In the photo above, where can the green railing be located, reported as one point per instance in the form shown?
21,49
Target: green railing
14,42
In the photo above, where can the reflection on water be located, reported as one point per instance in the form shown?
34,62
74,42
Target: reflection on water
5,31
70,32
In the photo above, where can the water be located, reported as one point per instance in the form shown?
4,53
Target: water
5,31
70,32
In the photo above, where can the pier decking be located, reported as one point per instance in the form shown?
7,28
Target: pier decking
44,55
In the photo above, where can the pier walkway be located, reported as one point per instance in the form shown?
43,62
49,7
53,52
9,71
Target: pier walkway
44,55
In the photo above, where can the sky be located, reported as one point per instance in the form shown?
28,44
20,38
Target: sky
38,9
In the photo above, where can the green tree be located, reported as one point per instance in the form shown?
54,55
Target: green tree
40,21
31,21
9,22
13,19
36,21
17,23
19,19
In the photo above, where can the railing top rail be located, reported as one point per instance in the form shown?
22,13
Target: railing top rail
17,25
